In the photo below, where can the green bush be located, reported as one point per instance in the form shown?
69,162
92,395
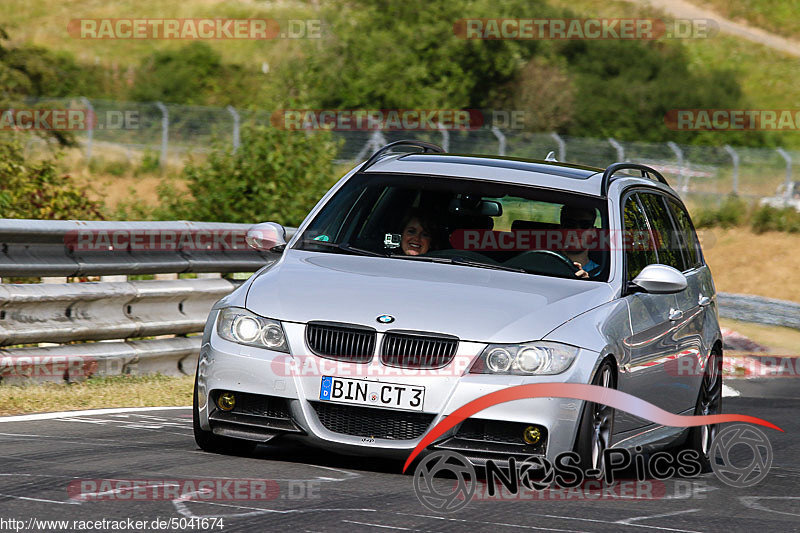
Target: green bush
38,190
150,164
115,167
767,218
276,175
731,212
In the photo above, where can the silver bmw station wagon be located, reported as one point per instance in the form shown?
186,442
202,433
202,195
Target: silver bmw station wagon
424,280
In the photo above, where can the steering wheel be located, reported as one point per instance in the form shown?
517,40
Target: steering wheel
561,262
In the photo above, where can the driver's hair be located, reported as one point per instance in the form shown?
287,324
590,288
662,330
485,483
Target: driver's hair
572,211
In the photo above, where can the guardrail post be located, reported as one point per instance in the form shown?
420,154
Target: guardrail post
501,139
735,158
164,133
445,137
787,192
683,179
562,146
90,130
235,116
618,147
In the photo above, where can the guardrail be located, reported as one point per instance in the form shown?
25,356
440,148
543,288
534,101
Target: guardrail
759,310
114,326
49,248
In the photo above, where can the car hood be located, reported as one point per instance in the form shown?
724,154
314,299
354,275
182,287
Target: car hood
471,303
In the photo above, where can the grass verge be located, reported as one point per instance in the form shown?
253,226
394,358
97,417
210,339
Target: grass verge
780,341
747,263
97,393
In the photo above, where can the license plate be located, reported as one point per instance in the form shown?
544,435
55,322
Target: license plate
374,393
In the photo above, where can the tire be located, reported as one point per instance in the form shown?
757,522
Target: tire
597,423
709,402
209,442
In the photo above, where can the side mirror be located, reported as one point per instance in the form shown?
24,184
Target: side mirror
266,236
659,279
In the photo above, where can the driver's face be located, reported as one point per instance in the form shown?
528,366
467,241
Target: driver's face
576,223
415,240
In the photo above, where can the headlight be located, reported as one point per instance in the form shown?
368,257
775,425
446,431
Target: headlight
243,327
533,358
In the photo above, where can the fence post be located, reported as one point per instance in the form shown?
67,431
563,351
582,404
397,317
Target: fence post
735,157
562,146
501,149
618,147
90,130
164,132
376,142
787,193
445,137
682,178
235,116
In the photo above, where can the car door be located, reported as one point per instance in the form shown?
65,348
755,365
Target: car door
695,302
679,370
651,343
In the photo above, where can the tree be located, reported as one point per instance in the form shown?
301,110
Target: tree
275,175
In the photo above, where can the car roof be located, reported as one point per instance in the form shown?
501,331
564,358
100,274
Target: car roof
548,174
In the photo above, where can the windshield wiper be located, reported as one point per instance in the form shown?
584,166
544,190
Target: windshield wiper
344,247
469,262
459,261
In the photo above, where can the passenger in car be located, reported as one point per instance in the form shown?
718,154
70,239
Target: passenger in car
417,235
579,218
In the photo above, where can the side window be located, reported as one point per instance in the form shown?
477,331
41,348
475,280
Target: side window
638,241
692,245
667,241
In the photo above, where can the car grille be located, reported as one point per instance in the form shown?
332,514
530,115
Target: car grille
258,405
417,350
372,422
344,343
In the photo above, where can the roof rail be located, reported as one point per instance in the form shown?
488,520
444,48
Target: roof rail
426,147
647,172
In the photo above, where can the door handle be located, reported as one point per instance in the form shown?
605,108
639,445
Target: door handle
675,314
704,301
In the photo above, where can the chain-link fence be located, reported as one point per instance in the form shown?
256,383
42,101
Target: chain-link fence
133,130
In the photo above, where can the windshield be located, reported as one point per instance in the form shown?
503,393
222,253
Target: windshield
465,223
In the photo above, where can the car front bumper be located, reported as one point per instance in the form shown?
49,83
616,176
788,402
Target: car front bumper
295,383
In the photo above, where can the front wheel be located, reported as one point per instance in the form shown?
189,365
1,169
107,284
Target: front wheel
597,423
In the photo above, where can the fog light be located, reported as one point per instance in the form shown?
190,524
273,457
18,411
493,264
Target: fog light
226,401
531,435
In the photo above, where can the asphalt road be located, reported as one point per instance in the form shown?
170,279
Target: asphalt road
44,462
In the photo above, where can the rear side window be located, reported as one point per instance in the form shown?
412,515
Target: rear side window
687,234
668,243
640,248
